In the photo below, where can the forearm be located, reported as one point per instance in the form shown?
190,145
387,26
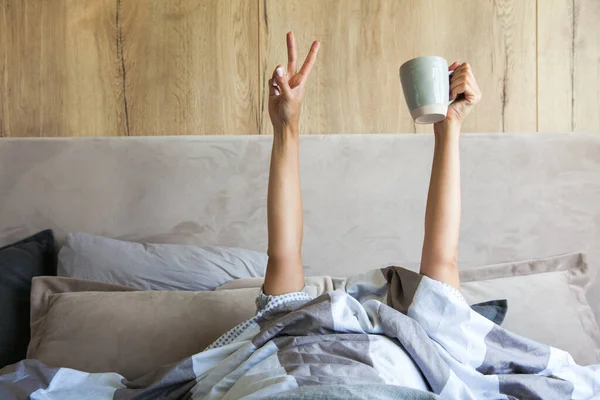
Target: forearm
284,214
443,213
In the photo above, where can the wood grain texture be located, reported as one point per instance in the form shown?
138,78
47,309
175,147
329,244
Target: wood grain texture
355,86
133,67
569,65
555,65
58,70
190,66
586,66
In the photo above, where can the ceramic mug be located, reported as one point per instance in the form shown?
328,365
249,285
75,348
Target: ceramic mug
426,86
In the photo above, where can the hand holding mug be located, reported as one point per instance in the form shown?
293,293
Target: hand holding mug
435,92
463,90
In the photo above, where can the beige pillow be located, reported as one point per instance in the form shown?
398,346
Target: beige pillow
546,301
99,327
314,285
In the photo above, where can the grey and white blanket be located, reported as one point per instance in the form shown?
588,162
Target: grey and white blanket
461,354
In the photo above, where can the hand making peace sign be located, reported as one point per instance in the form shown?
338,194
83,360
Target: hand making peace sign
286,88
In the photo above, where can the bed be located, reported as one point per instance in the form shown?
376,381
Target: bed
525,196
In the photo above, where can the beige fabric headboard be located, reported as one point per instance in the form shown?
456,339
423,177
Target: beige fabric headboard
524,195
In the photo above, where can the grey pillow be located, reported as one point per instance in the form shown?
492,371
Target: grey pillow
156,266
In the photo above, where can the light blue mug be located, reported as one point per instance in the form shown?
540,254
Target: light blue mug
426,86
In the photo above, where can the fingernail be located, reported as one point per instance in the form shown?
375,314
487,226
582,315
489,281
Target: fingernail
274,84
276,92
279,72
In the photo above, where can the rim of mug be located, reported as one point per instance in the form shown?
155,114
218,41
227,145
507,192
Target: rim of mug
404,65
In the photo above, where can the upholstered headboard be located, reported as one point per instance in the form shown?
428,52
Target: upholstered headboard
524,195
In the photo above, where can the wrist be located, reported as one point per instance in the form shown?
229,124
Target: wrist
286,132
285,138
446,128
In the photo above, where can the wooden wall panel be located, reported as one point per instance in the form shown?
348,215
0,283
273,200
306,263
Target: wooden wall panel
569,65
355,86
58,71
130,67
586,81
190,66
555,65
134,67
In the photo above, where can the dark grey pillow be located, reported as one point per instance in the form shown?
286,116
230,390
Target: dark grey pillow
19,263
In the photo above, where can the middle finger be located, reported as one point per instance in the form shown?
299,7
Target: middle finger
291,48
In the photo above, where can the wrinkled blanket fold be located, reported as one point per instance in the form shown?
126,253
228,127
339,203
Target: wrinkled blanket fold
460,353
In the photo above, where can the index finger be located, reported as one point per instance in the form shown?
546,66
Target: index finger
453,66
310,59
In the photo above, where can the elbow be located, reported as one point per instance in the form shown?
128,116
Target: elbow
439,260
449,261
440,252
283,255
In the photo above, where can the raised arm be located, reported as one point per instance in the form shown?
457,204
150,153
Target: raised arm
442,216
285,273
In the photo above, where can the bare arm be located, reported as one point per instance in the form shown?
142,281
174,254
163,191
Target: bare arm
442,217
285,273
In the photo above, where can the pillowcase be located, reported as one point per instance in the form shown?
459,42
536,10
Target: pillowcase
19,263
156,266
314,285
99,327
547,301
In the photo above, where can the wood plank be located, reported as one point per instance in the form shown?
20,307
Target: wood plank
586,70
59,75
555,65
191,66
568,65
355,86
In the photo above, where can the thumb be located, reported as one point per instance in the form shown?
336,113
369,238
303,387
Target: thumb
281,77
